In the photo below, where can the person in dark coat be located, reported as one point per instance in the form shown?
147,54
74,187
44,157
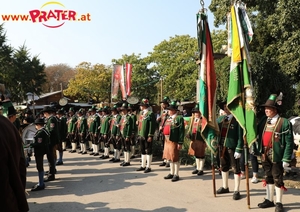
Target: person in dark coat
41,147
12,169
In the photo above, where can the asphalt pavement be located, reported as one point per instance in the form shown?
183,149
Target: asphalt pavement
87,183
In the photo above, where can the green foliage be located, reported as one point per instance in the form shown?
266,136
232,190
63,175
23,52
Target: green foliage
174,61
90,82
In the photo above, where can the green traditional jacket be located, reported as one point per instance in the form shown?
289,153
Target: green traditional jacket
105,125
114,124
134,126
233,136
82,123
41,142
72,124
94,124
195,130
176,129
147,124
125,126
52,127
63,128
282,143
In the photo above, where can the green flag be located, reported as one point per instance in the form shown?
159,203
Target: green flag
240,99
208,85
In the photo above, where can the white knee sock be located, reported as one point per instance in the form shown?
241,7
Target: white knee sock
176,168
201,164
225,176
197,164
144,158
149,161
270,192
279,193
172,168
237,181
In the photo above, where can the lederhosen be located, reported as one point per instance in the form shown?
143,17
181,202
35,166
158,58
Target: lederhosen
197,144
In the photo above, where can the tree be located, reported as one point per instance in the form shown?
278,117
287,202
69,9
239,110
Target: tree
58,76
90,82
144,80
28,74
6,61
174,61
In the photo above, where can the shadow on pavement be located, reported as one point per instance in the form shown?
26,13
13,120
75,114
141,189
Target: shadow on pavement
95,206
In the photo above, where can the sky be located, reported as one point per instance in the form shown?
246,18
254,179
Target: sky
116,27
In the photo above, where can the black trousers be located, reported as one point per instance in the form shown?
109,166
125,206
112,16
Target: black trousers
146,147
228,161
39,162
51,161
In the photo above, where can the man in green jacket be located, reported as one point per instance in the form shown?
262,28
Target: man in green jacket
275,145
146,129
231,147
94,130
104,131
81,129
72,129
174,135
125,132
114,128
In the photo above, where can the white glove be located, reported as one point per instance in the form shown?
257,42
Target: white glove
285,164
237,155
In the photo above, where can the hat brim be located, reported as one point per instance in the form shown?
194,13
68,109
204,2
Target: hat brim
264,105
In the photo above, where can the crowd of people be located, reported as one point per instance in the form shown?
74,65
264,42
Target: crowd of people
117,130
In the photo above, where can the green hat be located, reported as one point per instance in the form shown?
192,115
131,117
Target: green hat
196,108
8,108
166,100
173,106
274,101
72,110
144,102
114,108
124,106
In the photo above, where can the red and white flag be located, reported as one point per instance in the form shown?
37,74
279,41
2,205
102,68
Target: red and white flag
115,80
128,69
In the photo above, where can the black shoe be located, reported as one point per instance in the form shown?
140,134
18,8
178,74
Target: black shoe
101,150
222,190
147,170
96,154
79,152
132,157
84,153
266,204
163,164
104,157
195,171
200,173
112,159
236,195
49,178
141,169
90,149
126,164
175,178
92,153
59,163
38,188
72,151
279,207
64,150
116,160
169,176
121,164
167,165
